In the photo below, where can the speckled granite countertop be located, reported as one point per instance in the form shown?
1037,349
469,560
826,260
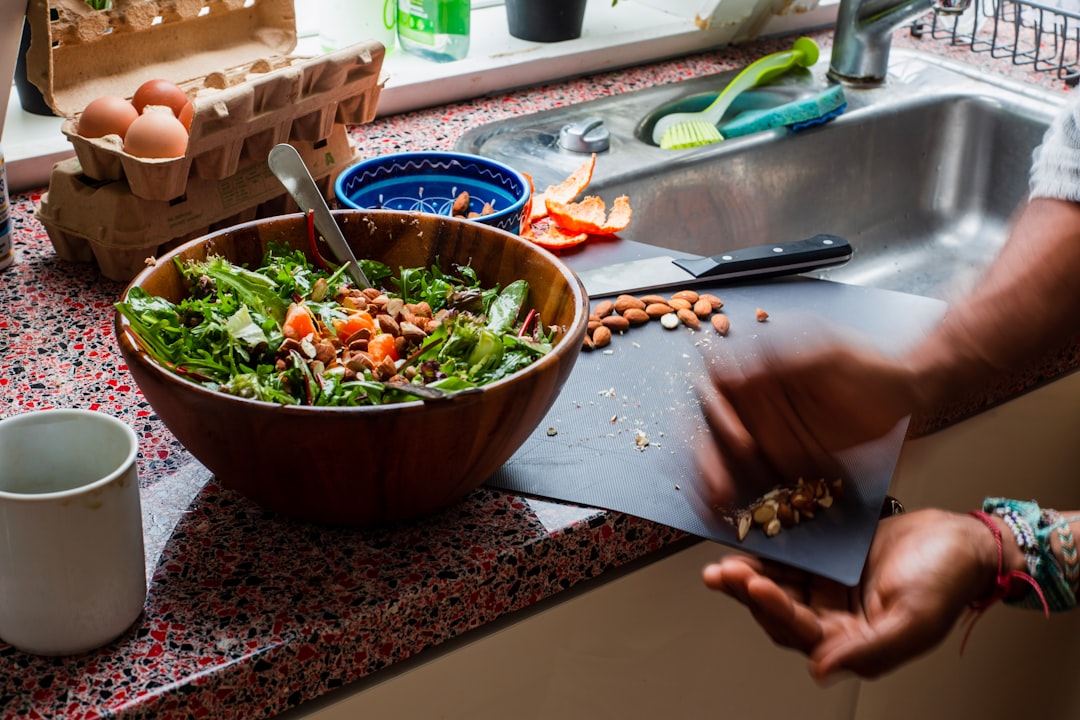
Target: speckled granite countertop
249,614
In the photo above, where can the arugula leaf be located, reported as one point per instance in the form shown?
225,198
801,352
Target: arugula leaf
253,289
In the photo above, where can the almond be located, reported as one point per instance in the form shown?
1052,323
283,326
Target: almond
636,316
359,362
658,309
461,204
689,319
412,333
803,501
761,315
420,309
787,515
650,299
394,306
604,308
601,337
765,512
716,302
744,523
388,325
721,323
680,304
626,302
702,308
690,296
616,323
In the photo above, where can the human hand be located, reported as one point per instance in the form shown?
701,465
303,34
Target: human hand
784,414
923,570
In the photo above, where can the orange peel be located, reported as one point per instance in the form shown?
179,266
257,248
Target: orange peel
556,238
591,216
565,191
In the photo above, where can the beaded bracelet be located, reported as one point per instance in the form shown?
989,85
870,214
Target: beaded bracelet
1025,519
1025,536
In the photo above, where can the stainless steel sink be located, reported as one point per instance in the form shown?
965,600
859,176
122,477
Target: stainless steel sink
921,174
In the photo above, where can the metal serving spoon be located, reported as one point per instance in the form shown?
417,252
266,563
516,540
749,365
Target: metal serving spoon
426,392
287,165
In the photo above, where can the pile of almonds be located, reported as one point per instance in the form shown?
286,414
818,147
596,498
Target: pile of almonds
684,307
460,208
785,507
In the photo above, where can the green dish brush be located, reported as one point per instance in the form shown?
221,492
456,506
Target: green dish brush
814,110
685,130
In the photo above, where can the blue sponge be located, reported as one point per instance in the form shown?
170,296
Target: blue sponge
797,114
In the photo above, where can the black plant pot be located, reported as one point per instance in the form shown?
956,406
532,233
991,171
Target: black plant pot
545,20
30,96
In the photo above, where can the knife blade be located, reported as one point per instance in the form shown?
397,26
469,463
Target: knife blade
775,259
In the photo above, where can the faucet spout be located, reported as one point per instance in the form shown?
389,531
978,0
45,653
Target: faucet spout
864,31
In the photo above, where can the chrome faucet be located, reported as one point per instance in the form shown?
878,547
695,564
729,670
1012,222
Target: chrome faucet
864,31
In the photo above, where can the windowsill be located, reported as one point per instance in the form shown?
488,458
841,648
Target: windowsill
613,37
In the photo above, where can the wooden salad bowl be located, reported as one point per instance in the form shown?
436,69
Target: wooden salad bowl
367,465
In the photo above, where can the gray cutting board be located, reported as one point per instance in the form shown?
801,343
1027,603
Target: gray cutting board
587,449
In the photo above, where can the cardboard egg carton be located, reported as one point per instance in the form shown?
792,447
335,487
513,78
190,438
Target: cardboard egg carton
101,221
232,58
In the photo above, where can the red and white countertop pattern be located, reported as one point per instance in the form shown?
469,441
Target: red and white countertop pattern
250,614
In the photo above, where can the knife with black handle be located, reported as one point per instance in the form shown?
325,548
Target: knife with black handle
761,261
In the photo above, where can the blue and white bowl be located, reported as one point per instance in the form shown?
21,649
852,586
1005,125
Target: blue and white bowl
430,181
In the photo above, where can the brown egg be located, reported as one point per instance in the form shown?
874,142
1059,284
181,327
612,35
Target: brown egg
186,115
156,134
160,92
106,115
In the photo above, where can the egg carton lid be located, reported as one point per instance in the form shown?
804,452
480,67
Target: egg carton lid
231,57
78,54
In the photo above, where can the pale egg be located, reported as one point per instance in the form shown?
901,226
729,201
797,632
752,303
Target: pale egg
157,133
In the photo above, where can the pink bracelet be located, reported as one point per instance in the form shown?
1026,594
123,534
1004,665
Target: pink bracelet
1003,583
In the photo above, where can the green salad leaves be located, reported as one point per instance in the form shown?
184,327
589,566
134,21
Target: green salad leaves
291,333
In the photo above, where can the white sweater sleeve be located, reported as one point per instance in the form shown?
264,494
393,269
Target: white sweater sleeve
1055,169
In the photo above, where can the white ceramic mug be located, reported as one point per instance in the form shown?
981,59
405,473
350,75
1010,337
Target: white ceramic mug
72,566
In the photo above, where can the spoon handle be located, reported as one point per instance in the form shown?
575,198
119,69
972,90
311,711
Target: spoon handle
287,165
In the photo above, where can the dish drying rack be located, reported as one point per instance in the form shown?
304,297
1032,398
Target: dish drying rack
1039,34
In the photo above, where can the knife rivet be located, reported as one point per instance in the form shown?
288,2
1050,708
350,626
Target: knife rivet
826,242
725,257
778,249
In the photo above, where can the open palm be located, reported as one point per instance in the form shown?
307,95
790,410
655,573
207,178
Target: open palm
920,576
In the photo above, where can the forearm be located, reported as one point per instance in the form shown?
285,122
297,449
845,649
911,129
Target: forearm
1027,304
